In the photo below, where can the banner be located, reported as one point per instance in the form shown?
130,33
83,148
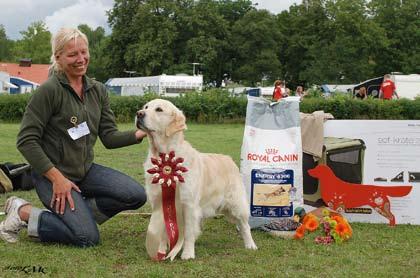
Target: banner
379,165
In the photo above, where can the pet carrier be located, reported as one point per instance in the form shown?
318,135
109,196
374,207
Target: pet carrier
343,155
19,175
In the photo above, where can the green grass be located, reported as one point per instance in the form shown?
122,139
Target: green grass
375,250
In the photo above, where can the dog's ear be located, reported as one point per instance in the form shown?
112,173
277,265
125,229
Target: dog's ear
178,124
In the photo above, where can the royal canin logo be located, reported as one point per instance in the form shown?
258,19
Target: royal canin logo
273,157
271,151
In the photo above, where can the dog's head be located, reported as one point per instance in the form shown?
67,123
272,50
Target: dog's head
319,171
160,116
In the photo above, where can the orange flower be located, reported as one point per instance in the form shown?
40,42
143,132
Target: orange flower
308,217
312,224
342,229
300,232
339,219
350,230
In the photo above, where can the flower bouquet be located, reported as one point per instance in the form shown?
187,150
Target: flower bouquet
335,228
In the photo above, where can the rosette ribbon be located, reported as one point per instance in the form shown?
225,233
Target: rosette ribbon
167,172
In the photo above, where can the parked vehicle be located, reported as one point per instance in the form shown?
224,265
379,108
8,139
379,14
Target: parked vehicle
408,86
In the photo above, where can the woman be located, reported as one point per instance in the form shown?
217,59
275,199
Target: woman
361,94
59,129
299,92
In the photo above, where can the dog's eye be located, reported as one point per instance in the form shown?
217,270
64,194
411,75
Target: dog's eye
158,109
146,107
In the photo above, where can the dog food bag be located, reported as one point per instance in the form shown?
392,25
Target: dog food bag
271,163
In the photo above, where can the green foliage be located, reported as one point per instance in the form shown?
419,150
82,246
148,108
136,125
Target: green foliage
154,37
400,21
346,107
35,44
97,41
213,106
12,107
5,45
256,39
316,42
219,106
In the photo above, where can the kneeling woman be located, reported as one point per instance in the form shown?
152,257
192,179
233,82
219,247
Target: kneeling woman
61,124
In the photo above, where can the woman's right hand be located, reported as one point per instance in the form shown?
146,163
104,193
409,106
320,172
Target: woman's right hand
61,190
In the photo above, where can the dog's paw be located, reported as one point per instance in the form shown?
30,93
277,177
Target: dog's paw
187,255
251,245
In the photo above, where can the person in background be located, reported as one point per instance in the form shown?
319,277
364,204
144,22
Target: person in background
361,94
388,89
60,126
279,90
300,92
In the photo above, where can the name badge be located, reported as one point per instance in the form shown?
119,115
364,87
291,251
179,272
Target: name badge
78,131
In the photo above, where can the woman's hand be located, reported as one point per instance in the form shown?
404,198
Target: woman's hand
140,134
61,190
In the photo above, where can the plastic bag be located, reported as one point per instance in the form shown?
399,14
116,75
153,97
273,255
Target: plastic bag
271,161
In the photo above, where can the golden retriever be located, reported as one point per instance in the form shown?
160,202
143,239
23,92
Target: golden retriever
212,184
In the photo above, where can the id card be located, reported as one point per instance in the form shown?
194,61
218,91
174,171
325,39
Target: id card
78,131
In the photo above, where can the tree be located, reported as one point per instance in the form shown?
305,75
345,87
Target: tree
120,18
143,36
304,28
205,31
256,40
353,42
400,21
5,46
35,44
97,50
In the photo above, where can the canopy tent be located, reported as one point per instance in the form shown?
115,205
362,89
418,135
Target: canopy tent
166,85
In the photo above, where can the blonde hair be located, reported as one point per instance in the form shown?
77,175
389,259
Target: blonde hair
58,42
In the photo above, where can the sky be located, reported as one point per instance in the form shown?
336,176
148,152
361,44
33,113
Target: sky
17,15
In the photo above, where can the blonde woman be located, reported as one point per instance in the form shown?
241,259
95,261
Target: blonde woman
60,126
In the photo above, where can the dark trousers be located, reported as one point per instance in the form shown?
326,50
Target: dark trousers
105,192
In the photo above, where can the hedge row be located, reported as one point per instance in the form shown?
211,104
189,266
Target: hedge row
217,106
214,106
346,107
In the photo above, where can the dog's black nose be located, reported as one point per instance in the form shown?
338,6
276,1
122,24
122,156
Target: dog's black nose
140,114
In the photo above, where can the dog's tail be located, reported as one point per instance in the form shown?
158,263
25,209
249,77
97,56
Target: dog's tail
396,191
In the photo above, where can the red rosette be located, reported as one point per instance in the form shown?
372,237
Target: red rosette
167,172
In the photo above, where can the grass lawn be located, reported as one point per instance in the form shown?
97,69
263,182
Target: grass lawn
374,251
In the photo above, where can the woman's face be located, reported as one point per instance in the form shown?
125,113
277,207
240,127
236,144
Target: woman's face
74,59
